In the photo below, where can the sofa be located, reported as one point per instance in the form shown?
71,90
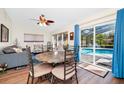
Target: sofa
14,59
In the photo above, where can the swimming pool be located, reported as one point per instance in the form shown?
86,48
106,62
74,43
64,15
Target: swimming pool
98,51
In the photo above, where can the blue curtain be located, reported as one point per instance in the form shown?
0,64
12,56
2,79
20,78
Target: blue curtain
118,54
77,40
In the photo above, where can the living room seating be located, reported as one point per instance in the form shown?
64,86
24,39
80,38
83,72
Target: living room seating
38,70
13,59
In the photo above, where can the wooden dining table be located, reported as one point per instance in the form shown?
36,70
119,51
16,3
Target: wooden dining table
53,57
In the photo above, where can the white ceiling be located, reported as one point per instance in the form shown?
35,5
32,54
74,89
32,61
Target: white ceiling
62,16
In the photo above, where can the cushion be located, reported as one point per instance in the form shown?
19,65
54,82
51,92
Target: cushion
13,46
17,50
41,69
8,50
58,72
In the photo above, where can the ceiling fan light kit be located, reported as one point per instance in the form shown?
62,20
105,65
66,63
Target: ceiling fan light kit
42,24
42,21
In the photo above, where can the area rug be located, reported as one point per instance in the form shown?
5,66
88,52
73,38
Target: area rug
94,69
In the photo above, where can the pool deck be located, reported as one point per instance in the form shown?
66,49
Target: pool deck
104,60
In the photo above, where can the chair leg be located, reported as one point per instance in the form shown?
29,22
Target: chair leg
64,82
49,76
76,78
38,80
32,81
52,79
28,78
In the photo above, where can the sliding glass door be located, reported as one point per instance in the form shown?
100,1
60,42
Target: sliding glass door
87,45
104,39
54,40
65,38
97,44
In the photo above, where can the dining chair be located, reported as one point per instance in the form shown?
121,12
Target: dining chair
67,70
72,51
38,70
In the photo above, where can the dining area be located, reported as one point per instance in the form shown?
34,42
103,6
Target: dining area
54,66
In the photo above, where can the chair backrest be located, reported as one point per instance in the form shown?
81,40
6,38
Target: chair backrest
74,50
69,64
31,66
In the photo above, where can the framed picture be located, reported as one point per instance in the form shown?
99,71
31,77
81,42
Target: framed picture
4,33
71,35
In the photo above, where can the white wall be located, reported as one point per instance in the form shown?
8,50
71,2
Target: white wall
103,16
17,31
4,19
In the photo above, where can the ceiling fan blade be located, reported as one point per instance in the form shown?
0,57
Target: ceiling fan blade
50,21
34,19
47,23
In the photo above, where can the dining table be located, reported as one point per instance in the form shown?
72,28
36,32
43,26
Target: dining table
52,57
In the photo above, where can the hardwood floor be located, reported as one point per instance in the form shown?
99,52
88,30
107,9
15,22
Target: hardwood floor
20,77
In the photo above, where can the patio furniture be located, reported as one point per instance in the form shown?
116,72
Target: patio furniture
38,70
67,70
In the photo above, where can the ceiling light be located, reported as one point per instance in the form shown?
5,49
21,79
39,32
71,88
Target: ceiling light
40,24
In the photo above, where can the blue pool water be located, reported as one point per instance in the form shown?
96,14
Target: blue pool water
98,51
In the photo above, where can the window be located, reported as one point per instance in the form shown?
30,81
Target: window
33,38
59,37
65,36
97,44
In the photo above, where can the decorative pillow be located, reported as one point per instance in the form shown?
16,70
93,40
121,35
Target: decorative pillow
8,50
17,50
13,46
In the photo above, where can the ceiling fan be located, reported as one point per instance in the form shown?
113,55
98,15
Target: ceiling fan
42,21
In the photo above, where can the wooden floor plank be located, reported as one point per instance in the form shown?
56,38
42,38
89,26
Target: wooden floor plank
20,77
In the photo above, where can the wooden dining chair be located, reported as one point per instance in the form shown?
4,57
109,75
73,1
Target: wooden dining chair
38,70
73,51
67,70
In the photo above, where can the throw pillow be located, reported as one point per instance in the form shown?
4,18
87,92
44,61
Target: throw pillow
17,50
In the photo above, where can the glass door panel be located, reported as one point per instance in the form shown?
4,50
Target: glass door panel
104,39
87,45
65,38
54,41
60,39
